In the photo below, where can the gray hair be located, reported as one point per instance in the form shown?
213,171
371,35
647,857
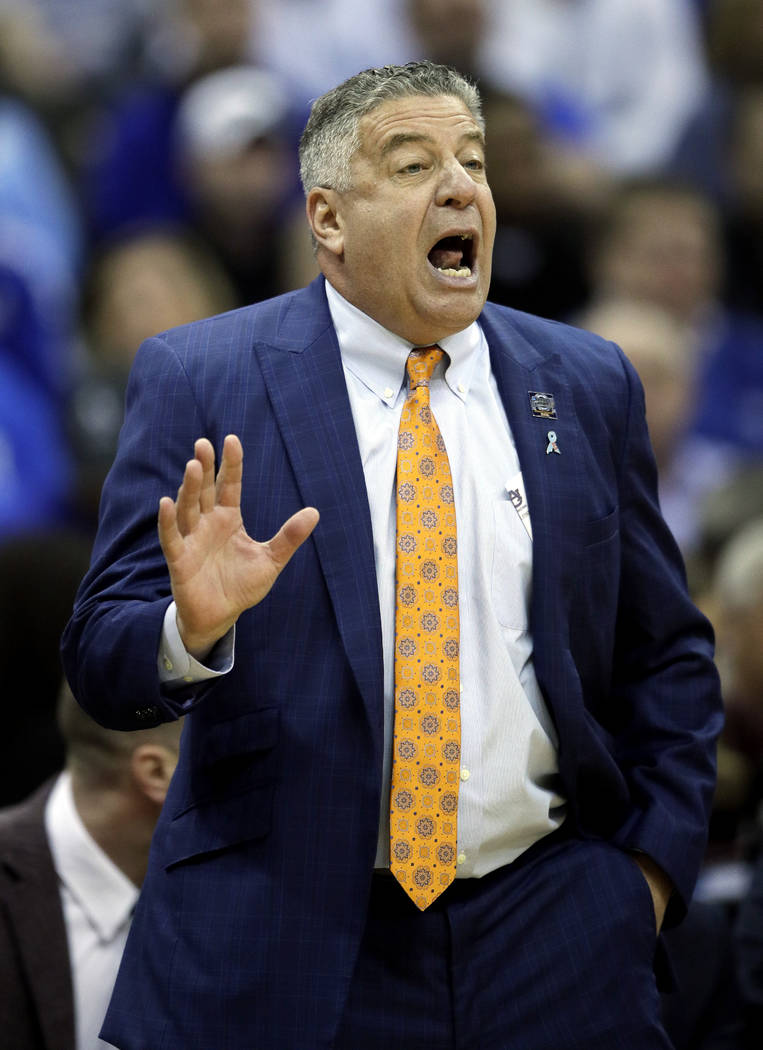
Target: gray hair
331,138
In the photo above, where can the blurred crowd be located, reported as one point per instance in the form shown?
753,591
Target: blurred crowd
148,178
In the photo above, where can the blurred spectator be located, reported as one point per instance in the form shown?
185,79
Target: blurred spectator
617,79
728,509
538,260
314,44
735,604
738,594
130,178
73,857
620,80
235,155
452,32
733,31
55,48
195,37
212,149
64,57
40,251
34,63
661,350
39,576
138,287
37,205
39,259
661,243
35,465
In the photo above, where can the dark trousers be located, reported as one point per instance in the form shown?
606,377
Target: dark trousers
553,952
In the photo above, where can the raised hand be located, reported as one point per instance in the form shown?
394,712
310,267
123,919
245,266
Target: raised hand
217,570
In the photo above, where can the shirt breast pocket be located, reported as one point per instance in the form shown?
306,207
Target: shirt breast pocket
511,568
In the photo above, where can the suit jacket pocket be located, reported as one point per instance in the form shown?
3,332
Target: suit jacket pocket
230,797
601,529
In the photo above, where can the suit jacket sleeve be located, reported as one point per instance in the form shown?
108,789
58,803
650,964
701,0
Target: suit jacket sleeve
664,692
111,643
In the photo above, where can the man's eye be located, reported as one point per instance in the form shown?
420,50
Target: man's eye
475,164
412,168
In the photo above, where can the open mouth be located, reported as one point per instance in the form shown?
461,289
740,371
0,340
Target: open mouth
454,256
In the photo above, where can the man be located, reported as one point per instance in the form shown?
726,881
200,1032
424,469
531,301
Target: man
306,887
71,860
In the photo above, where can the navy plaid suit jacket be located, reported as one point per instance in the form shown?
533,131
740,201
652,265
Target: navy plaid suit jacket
251,914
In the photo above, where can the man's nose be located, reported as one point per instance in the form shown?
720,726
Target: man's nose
456,187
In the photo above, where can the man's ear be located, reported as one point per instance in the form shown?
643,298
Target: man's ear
152,766
324,216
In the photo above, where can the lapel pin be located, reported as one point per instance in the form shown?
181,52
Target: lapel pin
542,405
552,445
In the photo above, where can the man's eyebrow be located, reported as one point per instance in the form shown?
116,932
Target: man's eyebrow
403,138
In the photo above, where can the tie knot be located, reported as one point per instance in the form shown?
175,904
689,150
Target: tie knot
421,364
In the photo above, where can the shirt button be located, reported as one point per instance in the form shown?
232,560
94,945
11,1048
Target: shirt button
187,678
388,391
461,388
465,774
167,664
461,858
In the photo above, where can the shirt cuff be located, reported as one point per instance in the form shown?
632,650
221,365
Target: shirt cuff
178,668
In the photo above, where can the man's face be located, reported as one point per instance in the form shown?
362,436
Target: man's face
416,230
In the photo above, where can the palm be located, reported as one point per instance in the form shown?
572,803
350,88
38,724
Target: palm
217,570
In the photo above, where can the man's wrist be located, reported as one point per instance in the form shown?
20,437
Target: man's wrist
199,646
659,884
177,667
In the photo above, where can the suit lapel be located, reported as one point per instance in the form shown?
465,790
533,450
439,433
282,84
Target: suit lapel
554,483
307,388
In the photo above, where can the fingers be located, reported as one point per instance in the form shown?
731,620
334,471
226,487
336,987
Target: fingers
228,488
197,494
291,535
200,492
205,454
170,537
187,505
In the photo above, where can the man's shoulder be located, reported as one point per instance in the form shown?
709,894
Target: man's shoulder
596,371
280,318
22,829
544,336
29,811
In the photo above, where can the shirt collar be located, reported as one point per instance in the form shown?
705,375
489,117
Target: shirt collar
377,356
103,892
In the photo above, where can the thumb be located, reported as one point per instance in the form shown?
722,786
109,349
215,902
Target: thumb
292,535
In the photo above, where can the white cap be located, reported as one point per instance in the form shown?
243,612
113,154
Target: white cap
223,112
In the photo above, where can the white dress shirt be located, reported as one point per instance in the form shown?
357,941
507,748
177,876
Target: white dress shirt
509,793
97,900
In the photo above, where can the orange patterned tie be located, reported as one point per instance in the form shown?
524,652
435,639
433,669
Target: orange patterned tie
427,736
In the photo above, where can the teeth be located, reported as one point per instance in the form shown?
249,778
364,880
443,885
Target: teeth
465,236
462,271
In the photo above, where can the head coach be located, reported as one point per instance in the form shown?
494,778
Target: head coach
449,744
